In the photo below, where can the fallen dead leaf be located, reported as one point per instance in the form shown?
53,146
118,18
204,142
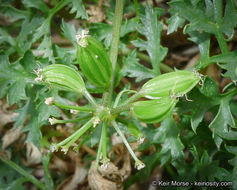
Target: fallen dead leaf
96,14
104,180
58,164
79,176
33,155
116,139
6,116
11,136
126,168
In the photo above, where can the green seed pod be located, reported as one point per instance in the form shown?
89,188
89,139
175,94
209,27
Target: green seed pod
154,111
63,77
174,83
94,61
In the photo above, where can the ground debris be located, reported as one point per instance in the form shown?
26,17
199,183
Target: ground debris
109,179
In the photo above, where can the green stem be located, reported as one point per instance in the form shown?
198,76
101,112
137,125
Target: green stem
127,104
120,109
79,131
76,149
90,98
104,140
120,95
58,7
124,141
99,151
47,177
170,170
137,8
115,43
218,9
79,108
116,32
20,170
74,120
222,42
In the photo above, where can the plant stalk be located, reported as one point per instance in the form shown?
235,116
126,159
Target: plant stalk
127,104
222,42
115,43
124,140
137,8
218,8
68,107
99,150
104,140
79,133
29,177
81,130
90,98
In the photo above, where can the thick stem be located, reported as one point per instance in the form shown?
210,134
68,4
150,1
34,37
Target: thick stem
115,43
120,95
116,32
127,104
222,42
120,109
137,8
218,9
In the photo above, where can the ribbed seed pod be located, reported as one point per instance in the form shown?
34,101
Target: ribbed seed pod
174,83
63,77
94,61
154,111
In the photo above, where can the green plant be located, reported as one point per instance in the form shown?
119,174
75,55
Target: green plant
42,87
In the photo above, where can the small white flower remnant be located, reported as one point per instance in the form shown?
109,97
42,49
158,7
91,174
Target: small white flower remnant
49,101
101,157
139,165
39,78
74,111
53,148
96,56
81,38
175,96
200,76
52,120
140,139
96,121
64,149
186,97
105,163
38,73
